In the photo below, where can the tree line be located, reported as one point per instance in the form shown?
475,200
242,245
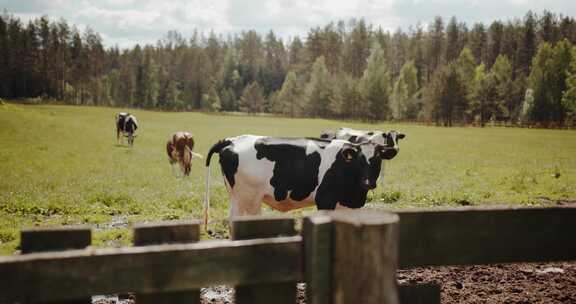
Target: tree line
513,71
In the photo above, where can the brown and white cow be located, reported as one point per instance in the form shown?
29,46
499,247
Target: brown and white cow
179,148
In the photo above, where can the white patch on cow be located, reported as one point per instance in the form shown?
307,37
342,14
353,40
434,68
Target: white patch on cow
311,148
328,158
251,178
133,118
368,149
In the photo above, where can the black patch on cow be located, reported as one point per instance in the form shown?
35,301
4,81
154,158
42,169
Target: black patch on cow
328,135
294,170
130,126
229,164
121,121
342,183
353,139
370,133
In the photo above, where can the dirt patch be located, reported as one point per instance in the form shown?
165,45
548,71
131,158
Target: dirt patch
508,283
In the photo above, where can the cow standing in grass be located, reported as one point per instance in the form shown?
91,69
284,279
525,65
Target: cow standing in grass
180,148
126,125
291,173
387,139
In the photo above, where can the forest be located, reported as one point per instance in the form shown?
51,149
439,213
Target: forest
520,71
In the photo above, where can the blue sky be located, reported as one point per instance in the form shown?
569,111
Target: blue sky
127,22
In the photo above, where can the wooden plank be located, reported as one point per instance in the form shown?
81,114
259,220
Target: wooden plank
318,233
487,235
255,227
365,257
54,239
150,269
251,227
174,232
419,294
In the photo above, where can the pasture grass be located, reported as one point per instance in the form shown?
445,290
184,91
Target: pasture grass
61,165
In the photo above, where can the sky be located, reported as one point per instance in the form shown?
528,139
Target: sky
127,22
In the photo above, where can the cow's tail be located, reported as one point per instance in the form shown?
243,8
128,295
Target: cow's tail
216,148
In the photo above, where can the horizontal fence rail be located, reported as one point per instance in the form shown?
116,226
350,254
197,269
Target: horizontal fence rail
151,269
467,236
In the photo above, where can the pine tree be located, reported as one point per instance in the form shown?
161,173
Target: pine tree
436,48
447,96
483,96
495,37
548,81
318,91
375,86
288,100
478,42
405,101
503,76
466,67
252,100
527,44
452,40
569,95
357,48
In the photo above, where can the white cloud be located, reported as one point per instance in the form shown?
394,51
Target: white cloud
125,22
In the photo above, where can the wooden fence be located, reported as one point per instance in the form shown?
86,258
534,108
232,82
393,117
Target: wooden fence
343,256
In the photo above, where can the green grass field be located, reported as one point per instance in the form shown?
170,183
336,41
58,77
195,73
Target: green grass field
60,165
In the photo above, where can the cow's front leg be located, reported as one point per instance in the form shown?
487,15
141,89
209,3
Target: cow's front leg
326,205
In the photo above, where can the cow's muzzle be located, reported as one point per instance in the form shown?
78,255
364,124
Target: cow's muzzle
389,153
367,184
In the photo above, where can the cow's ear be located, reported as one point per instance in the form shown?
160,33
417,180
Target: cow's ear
349,153
401,135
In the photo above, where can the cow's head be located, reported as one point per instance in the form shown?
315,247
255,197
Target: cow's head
364,162
390,148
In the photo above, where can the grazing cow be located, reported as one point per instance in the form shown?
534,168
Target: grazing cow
126,124
291,173
179,148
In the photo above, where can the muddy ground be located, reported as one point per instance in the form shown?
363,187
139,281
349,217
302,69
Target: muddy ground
510,283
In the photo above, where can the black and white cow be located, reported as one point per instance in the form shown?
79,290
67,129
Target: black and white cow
292,173
126,124
387,139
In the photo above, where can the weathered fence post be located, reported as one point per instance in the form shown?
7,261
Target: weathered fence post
254,227
317,230
168,233
56,239
365,257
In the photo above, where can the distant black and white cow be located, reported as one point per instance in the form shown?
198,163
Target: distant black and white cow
179,148
126,124
291,173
